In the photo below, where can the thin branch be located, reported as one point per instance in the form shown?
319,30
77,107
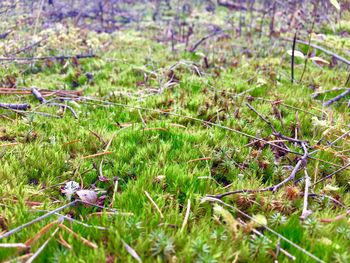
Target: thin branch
301,163
38,95
328,197
305,213
261,117
49,57
19,228
339,97
77,237
115,104
321,49
332,174
286,253
265,227
199,42
15,106
41,248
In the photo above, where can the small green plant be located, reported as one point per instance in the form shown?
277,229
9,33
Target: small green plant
161,244
278,219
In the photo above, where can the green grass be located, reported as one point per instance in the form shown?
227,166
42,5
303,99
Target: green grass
159,160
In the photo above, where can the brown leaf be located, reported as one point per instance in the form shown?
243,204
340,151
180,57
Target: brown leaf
87,196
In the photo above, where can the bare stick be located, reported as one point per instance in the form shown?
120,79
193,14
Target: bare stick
154,204
48,57
38,95
342,59
265,227
75,115
328,197
41,248
19,228
19,259
114,192
41,232
305,213
337,218
332,174
77,237
15,106
261,117
74,220
286,253
300,163
108,103
13,245
339,97
199,42
239,192
316,94
275,132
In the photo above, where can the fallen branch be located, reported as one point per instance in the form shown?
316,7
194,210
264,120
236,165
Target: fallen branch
41,248
73,220
19,228
49,57
75,115
332,174
115,104
77,237
15,106
301,163
199,42
286,253
339,97
210,199
45,93
321,49
305,213
328,197
38,95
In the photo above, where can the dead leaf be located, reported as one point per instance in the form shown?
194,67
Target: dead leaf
320,61
87,196
297,53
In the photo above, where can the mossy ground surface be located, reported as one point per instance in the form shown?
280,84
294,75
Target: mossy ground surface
160,153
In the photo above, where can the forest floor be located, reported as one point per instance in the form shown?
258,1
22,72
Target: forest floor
159,135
